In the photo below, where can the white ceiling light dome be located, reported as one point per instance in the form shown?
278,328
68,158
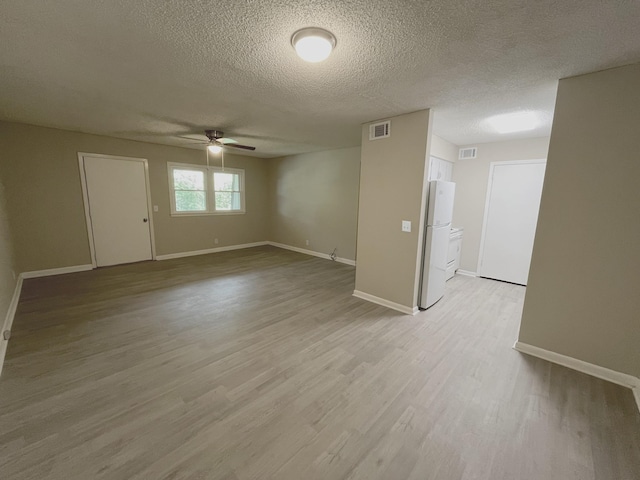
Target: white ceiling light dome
514,122
313,44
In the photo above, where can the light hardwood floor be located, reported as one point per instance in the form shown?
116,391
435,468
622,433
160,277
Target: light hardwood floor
259,364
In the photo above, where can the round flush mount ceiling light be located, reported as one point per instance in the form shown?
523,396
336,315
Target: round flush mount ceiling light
514,122
313,44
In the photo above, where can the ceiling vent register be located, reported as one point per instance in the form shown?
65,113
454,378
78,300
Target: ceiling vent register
380,130
467,153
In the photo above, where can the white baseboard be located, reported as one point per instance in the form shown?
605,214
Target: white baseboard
56,271
250,245
193,253
612,376
386,303
326,256
8,320
466,273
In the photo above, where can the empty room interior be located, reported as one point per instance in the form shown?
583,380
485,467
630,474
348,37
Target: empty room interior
328,240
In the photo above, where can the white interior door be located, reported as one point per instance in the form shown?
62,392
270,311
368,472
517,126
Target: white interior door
513,201
117,200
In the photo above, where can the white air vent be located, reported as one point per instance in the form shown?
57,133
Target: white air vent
466,153
380,130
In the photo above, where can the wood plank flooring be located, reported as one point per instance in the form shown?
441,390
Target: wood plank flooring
259,364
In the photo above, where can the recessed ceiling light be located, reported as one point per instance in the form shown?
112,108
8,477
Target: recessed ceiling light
313,44
514,122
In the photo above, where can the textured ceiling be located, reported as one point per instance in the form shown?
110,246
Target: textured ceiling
158,71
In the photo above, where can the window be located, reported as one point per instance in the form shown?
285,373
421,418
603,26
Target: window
196,190
189,191
226,186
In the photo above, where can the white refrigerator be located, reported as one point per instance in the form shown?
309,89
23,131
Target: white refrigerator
434,266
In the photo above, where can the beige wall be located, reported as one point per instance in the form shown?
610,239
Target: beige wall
7,277
392,189
472,176
46,212
443,149
314,197
582,298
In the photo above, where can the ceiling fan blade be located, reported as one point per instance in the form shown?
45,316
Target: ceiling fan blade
237,145
194,137
227,141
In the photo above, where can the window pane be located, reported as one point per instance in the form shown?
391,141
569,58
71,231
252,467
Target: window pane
191,201
228,201
235,201
223,200
188,180
226,182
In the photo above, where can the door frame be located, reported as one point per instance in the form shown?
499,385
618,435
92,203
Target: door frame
85,198
487,201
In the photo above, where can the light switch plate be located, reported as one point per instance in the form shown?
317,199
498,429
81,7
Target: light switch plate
406,226
155,208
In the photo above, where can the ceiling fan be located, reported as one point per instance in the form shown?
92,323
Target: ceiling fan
217,140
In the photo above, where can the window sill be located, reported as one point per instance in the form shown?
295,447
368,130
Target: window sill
204,214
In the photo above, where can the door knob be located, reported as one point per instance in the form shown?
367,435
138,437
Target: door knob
144,220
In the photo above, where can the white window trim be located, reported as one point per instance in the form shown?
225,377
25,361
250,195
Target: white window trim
209,189
172,194
240,174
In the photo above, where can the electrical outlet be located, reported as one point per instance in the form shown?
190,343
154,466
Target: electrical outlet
306,242
406,226
215,241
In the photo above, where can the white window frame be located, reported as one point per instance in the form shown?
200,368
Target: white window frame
209,187
183,166
240,174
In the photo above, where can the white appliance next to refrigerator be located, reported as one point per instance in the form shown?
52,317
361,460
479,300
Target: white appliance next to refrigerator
439,216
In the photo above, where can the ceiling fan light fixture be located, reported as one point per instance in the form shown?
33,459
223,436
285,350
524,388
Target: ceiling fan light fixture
217,141
313,44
